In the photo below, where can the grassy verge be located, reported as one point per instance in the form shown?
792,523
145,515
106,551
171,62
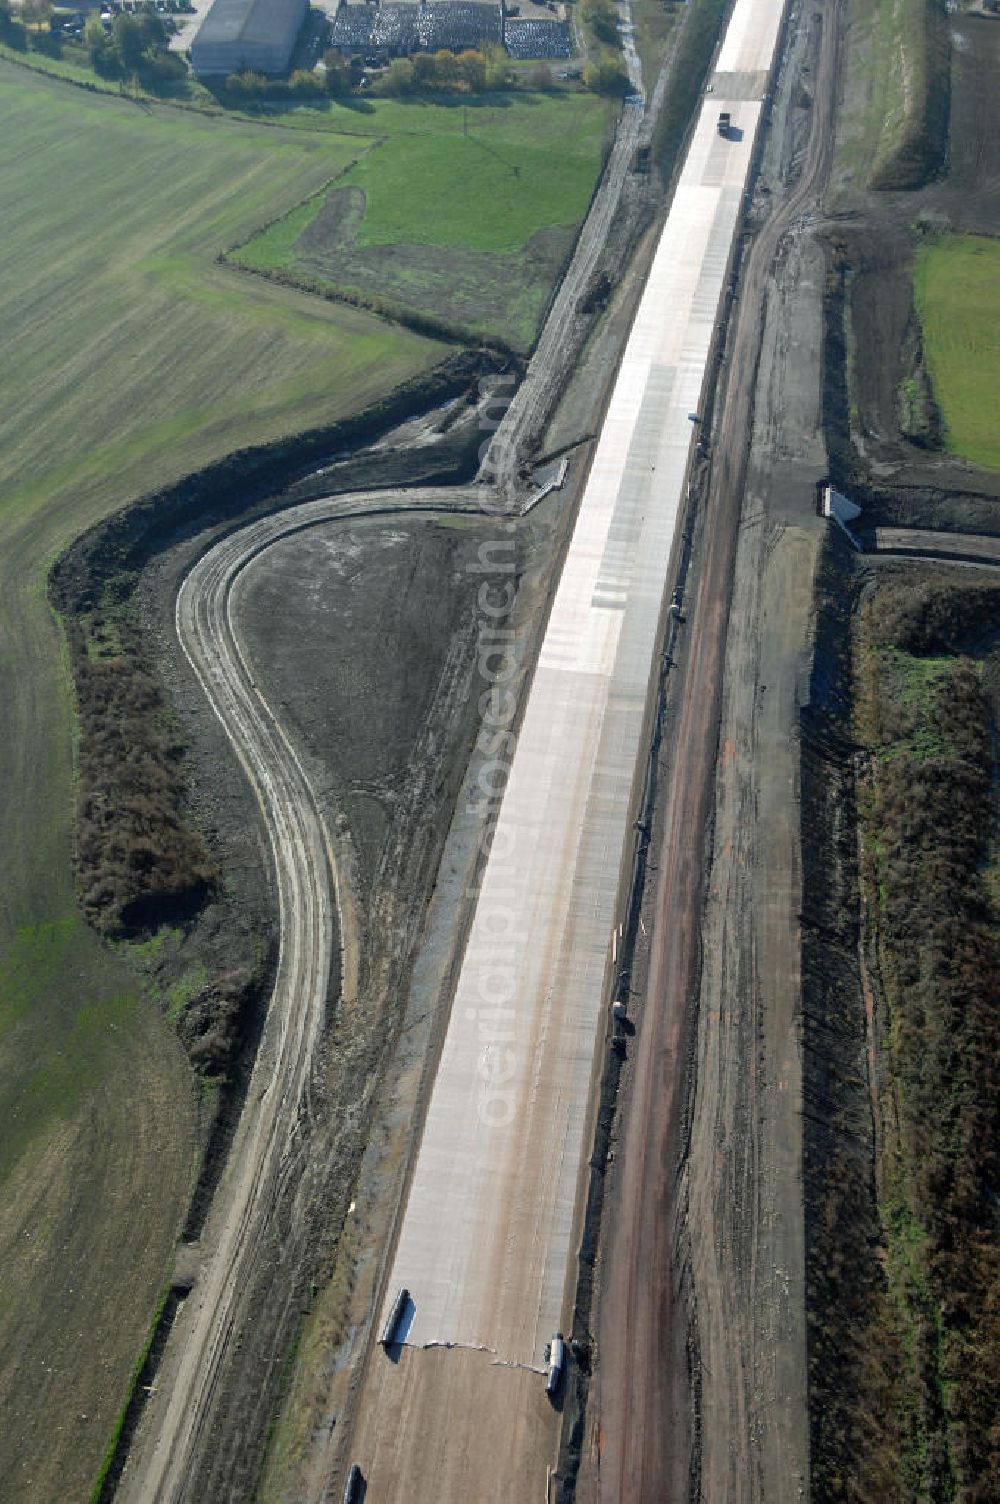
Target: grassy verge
895,128
687,78
926,715
451,217
100,1491
957,289
655,21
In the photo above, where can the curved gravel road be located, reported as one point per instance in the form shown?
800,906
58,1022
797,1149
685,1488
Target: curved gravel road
267,1146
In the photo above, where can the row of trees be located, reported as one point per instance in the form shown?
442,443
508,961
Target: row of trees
135,46
474,70
471,71
302,85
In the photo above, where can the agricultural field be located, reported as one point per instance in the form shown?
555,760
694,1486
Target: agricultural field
131,358
957,289
457,217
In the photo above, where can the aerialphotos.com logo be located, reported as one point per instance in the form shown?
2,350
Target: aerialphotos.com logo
498,670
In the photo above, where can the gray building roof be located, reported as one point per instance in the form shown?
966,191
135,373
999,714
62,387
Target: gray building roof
251,23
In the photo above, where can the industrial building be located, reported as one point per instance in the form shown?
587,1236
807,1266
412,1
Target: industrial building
248,34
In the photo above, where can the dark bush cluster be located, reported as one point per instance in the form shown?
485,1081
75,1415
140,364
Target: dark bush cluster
933,617
139,862
136,46
210,1023
601,20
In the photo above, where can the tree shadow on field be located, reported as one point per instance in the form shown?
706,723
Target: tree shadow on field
277,107
355,102
445,100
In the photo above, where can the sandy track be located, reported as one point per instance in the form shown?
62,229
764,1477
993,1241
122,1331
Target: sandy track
646,1445
917,543
311,902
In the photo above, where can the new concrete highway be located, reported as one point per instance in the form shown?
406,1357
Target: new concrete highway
488,1233
487,1239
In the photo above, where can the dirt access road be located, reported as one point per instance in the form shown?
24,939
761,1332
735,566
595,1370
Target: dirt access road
701,1336
315,923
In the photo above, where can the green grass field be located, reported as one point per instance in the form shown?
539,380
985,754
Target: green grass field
467,214
957,288
130,358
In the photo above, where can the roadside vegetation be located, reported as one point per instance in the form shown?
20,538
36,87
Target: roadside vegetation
695,47
926,1378
604,72
957,290
655,22
456,218
895,121
139,861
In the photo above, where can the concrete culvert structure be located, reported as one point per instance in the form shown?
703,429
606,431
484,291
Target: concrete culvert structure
247,34
557,1360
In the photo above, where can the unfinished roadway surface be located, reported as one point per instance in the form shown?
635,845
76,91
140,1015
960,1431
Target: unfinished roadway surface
488,1238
